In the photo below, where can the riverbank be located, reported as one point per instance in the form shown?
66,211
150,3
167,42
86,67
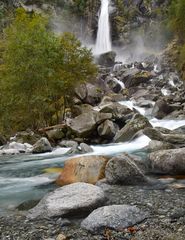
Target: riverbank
166,208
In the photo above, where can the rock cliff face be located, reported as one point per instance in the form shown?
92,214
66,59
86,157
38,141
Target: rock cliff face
127,17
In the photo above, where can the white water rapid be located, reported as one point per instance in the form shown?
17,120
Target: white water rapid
103,41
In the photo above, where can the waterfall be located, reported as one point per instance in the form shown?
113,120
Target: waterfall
103,41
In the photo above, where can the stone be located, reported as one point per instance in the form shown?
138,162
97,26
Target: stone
70,200
107,59
159,145
115,217
86,123
170,161
87,169
55,135
67,143
123,169
137,123
81,91
119,112
61,236
85,148
94,94
107,130
164,136
134,77
161,109
42,146
27,136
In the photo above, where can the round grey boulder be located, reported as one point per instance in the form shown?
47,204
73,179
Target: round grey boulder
42,146
69,200
114,217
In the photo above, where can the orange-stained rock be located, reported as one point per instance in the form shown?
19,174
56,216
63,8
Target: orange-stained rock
88,169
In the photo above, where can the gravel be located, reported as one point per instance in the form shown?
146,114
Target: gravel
166,221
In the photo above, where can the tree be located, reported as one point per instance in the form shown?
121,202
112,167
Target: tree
177,18
40,70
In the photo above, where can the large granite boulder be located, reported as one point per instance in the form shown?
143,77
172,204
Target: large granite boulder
94,94
69,200
114,217
159,145
87,169
55,135
123,169
161,109
107,59
107,130
165,136
119,112
84,124
137,123
168,161
42,146
27,136
134,77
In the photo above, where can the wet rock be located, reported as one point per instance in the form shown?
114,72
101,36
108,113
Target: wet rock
85,148
55,134
113,217
94,94
114,85
87,169
137,123
170,136
134,77
107,129
123,169
119,112
161,109
168,161
67,143
42,146
81,91
107,59
84,124
159,145
27,136
74,199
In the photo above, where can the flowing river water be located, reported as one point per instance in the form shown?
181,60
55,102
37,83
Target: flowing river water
22,177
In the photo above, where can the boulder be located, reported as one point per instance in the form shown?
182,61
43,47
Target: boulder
107,130
55,135
170,137
161,109
159,145
67,143
94,94
134,77
123,169
85,148
137,123
42,146
119,112
168,161
114,85
27,136
81,91
86,123
114,217
107,59
87,169
77,198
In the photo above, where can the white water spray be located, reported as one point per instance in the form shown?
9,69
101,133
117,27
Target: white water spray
103,41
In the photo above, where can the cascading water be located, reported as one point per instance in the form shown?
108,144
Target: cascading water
103,41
